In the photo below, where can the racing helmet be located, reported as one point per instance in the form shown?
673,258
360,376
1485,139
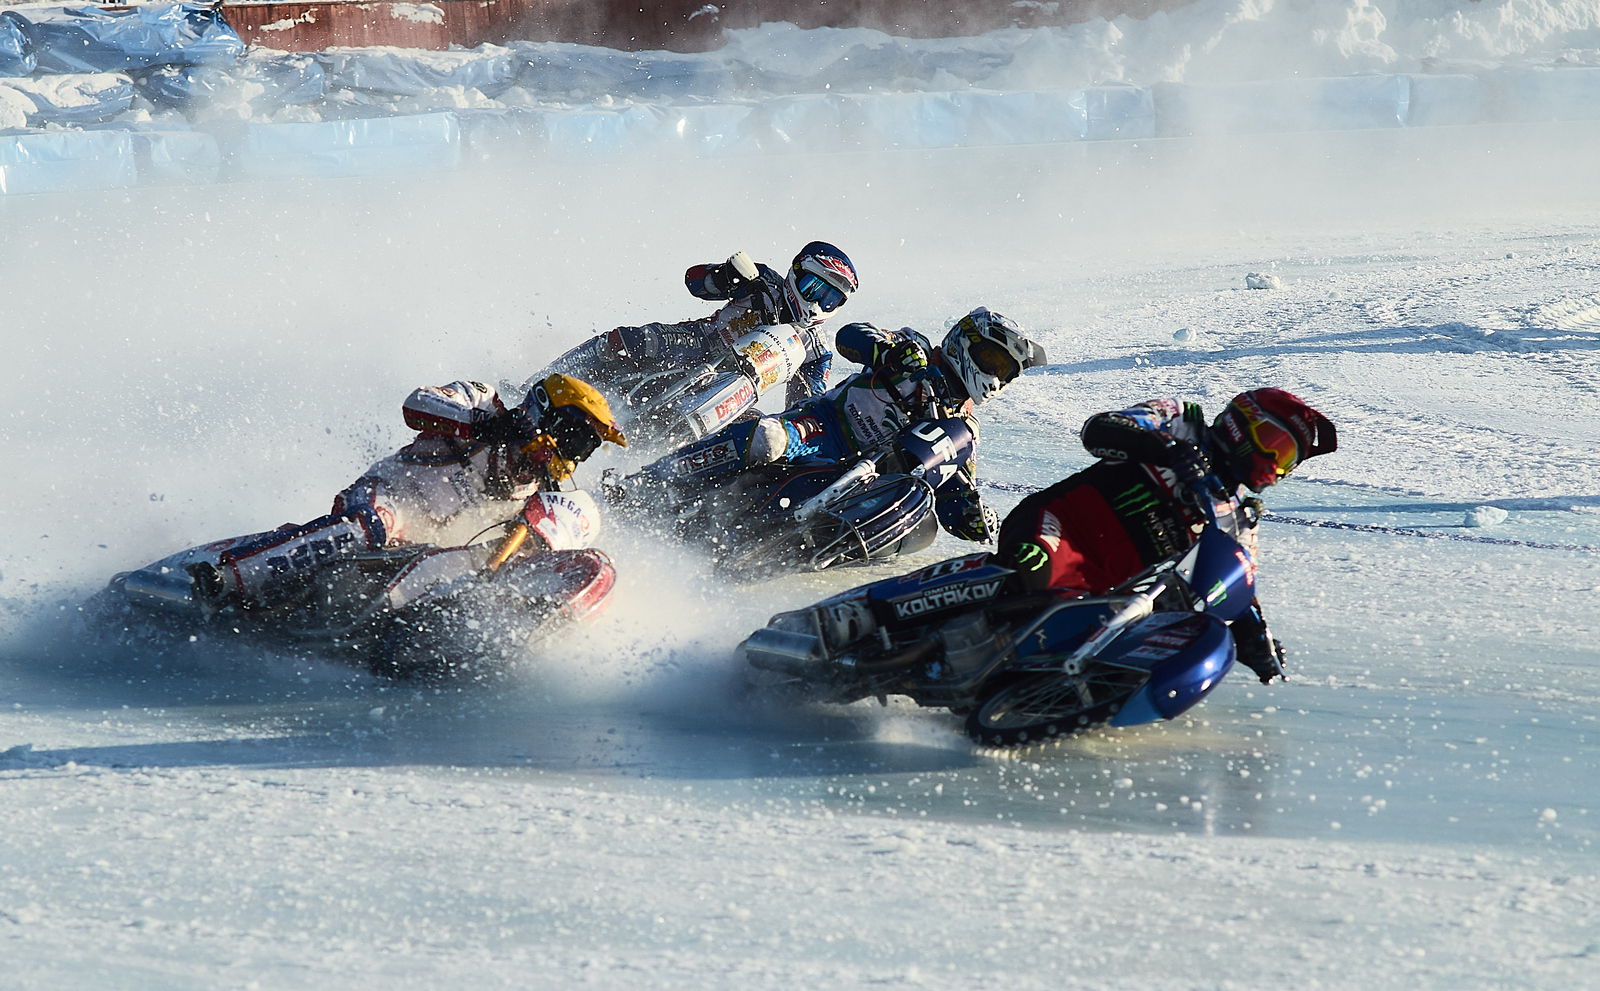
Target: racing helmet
575,416
1265,433
823,275
986,351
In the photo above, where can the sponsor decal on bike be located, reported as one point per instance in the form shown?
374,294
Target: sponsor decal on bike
946,598
768,363
1249,564
706,458
1164,643
1150,652
733,403
739,326
944,569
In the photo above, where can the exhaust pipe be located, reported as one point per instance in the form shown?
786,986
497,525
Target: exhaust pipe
168,589
784,652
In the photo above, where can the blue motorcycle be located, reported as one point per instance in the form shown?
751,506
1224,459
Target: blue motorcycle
804,515
1024,668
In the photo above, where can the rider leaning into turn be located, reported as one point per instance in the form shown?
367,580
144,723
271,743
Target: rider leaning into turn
1137,504
905,381
475,464
816,283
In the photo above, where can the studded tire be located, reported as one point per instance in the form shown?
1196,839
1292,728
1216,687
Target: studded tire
1040,708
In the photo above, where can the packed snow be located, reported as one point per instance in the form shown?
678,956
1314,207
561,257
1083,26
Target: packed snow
1415,808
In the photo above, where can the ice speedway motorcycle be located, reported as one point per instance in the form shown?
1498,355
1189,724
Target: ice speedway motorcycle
803,515
418,611
666,408
1024,668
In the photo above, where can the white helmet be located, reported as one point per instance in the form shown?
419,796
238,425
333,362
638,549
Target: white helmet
986,351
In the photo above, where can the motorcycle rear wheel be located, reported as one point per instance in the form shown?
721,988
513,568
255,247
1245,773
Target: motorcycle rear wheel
1040,708
409,651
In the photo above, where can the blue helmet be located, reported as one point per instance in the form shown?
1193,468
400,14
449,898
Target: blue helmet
823,275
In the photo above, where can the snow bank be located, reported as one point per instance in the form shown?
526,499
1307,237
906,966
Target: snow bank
258,84
1202,42
489,69
1212,67
70,99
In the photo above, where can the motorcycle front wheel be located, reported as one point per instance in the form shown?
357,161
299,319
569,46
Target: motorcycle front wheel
1040,708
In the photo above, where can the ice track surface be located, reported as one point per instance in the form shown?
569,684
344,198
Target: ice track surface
1416,809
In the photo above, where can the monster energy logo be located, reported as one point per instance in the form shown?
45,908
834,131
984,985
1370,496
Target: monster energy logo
1135,500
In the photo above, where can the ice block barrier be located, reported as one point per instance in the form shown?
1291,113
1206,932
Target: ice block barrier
53,161
1444,99
343,148
1537,94
1340,104
175,158
969,118
1344,103
591,134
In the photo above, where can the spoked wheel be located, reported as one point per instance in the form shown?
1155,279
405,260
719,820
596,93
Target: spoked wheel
409,651
760,557
1040,708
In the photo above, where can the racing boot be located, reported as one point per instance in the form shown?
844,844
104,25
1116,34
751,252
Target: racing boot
1255,647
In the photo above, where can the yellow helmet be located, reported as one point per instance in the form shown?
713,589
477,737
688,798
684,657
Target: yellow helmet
576,415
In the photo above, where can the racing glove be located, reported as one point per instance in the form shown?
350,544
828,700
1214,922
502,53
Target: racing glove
732,274
901,358
1193,469
978,522
514,426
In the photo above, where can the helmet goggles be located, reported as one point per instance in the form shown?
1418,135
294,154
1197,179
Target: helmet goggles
994,359
573,431
1274,441
814,288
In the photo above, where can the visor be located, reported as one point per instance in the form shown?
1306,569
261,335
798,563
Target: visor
815,289
994,359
